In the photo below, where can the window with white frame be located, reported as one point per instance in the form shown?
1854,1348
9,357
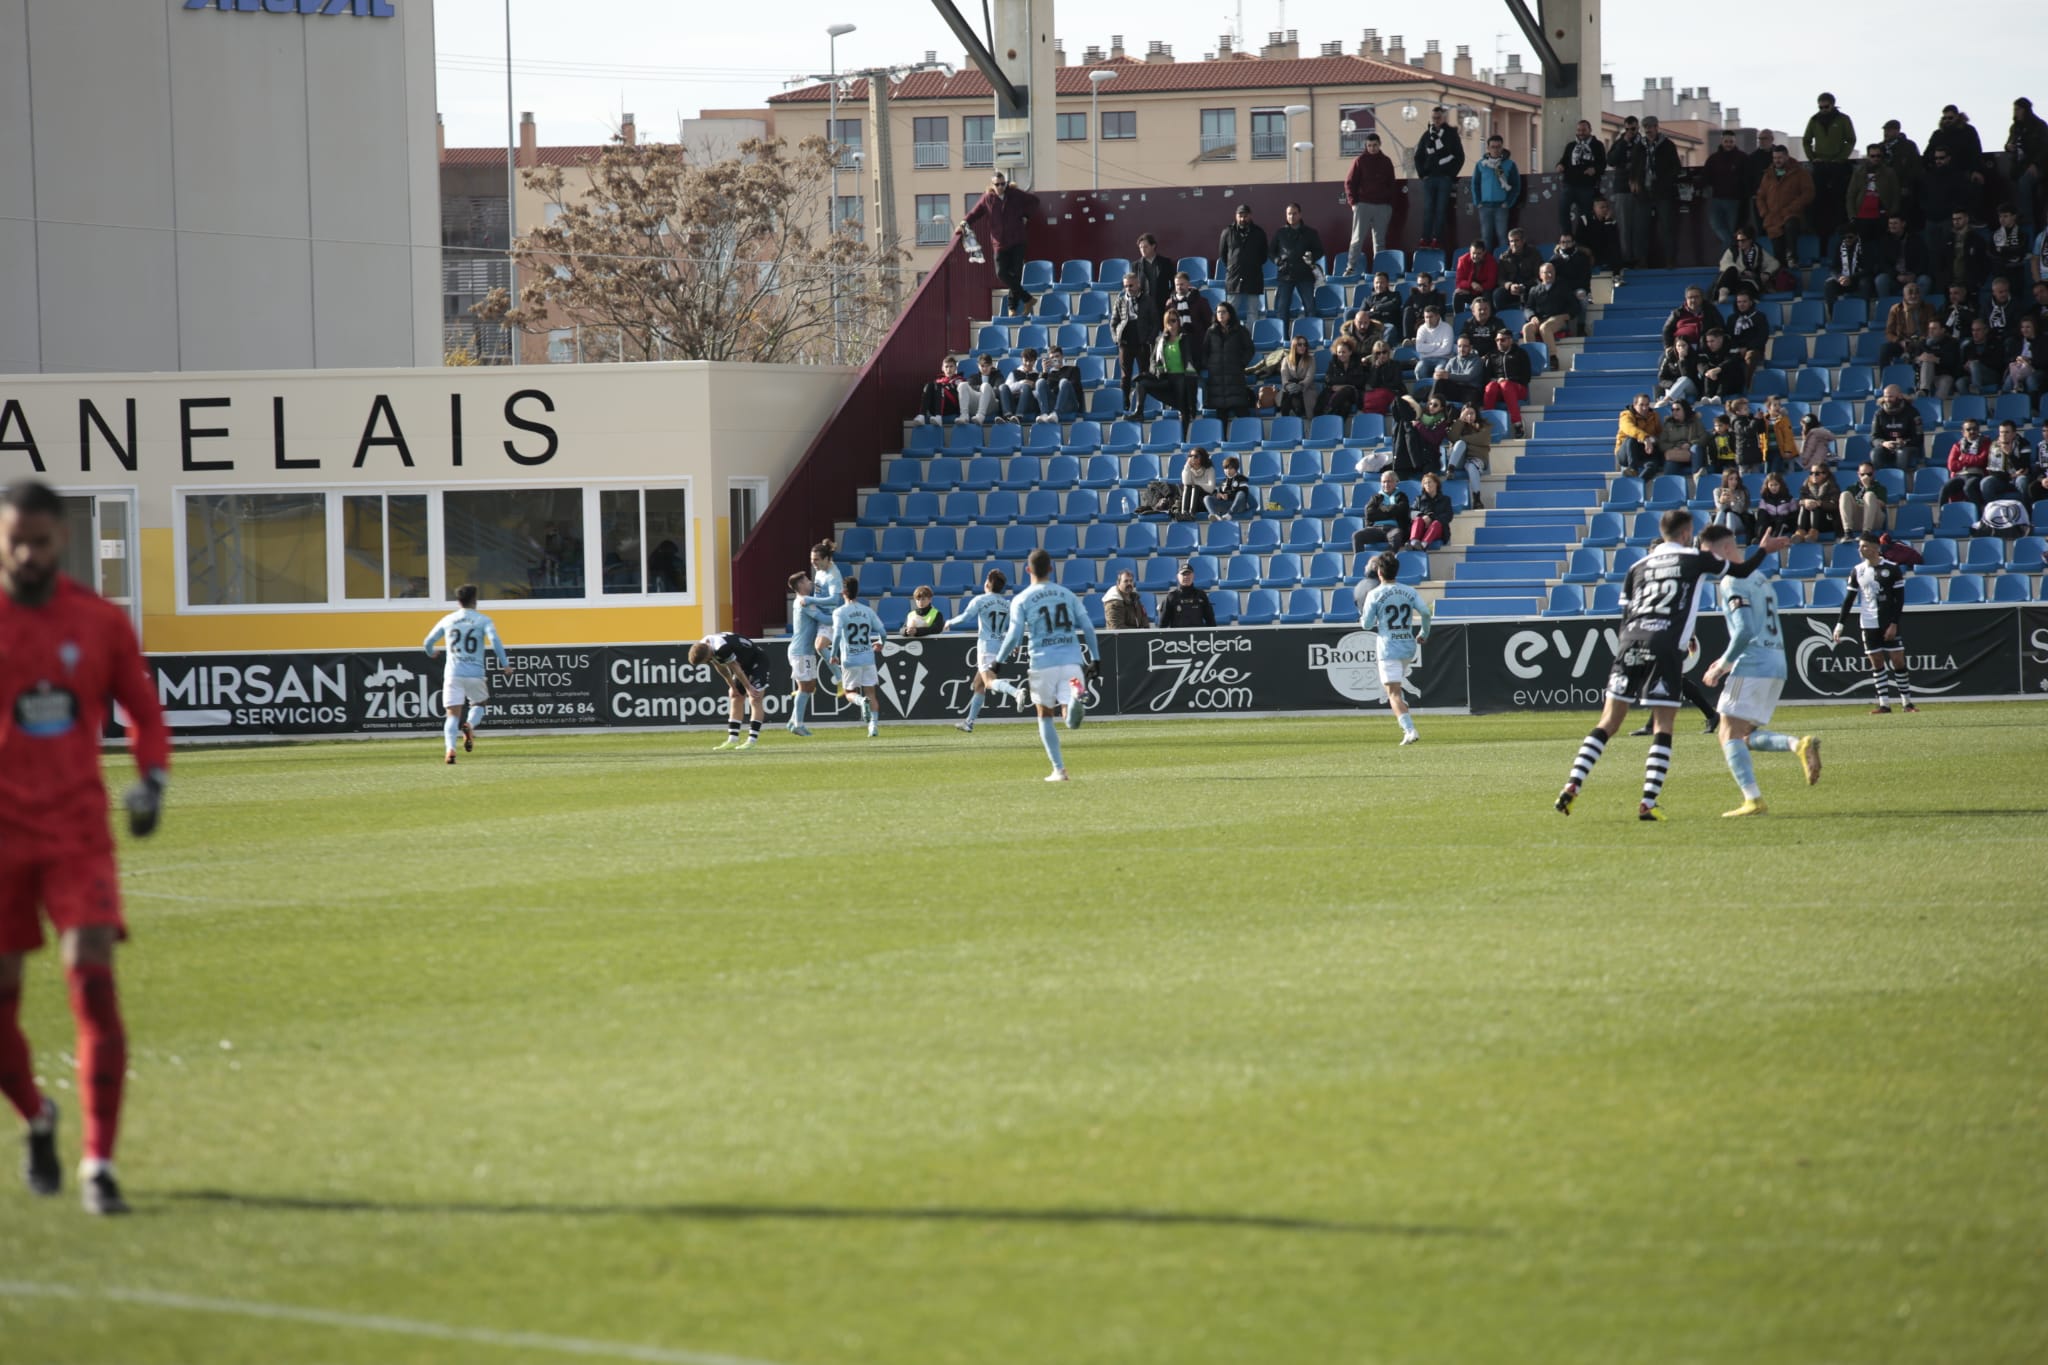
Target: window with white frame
1219,134
515,543
384,553
928,137
744,498
562,346
643,533
250,549
1269,134
1119,125
978,140
1072,128
934,220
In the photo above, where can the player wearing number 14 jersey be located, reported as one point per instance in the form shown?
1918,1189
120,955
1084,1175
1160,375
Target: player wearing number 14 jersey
467,635
1055,623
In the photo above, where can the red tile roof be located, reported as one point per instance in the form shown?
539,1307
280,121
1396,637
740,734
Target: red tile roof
1142,78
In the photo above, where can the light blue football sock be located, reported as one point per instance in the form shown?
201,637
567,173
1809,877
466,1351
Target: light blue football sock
974,706
1407,722
796,710
1049,734
476,716
1740,765
1770,740
451,733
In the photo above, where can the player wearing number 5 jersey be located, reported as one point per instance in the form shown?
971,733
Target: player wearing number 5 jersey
1398,615
1660,604
857,650
467,635
1055,623
1754,665
990,613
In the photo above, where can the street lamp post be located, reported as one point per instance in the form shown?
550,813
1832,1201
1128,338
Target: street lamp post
1096,80
511,195
833,33
1293,111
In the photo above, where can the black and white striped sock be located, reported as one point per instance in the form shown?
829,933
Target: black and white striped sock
1900,686
1656,767
1589,753
1886,685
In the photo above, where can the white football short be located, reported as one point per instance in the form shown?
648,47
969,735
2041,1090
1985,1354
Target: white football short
803,667
1394,672
464,692
1751,699
859,675
1054,686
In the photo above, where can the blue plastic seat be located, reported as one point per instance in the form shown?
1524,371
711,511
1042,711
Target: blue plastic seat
910,577
1852,314
1261,536
1791,596
1019,540
878,509
1285,435
1414,567
1304,605
1606,600
1262,468
1827,593
1325,569
960,508
1805,315
1341,531
1267,335
1939,554
1305,467
855,544
1787,352
1327,500
1625,494
990,340
1304,535
1261,608
1022,473
1966,588
1667,492
1158,575
1082,505
1922,592
1855,384
1810,385
2013,407
2008,587
937,543
1180,538
1140,470
1983,554
1042,438
1103,472
981,473
1040,507
924,440
1966,407
1310,327
1206,432
1100,539
1141,538
1061,473
2026,554
1223,602
1221,537
877,577
1124,438
901,476
1624,559
1164,438
1768,384
998,507
1245,434
1084,438
1802,561
1283,570
1565,600
1197,268
1954,519
1587,566
1928,481
1076,277
1428,261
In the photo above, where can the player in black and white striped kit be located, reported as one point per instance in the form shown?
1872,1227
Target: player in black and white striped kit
1660,605
1877,602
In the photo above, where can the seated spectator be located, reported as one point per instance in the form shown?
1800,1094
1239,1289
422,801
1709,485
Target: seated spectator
1853,271
1600,235
1462,378
1432,524
1185,604
2039,302
1574,266
1783,198
1969,459
1781,443
1731,505
1816,444
1678,377
1684,441
1518,265
1722,375
1749,331
1197,482
1435,342
1122,607
1298,381
1901,256
1748,430
1895,436
2010,247
2033,491
941,395
1361,329
1468,449
1386,383
1020,388
1861,507
1723,454
1745,265
1958,312
1386,518
981,392
1983,357
1385,306
1170,377
1226,355
1820,506
2023,364
1424,296
1419,445
1480,323
1059,386
2002,312
1553,309
1692,319
1507,379
1477,276
924,618
1940,362
1346,381
2010,455
1777,511
1905,327
1638,441
1233,497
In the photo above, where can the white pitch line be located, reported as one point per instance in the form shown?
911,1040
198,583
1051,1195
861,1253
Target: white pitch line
368,1322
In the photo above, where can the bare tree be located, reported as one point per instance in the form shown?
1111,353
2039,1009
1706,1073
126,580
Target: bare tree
662,259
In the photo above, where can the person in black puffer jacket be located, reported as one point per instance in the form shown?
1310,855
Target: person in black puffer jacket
1226,355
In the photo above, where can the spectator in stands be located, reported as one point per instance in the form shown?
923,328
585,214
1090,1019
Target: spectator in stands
1133,328
1724,176
1749,331
1745,265
1507,379
1496,188
1783,198
1820,506
1754,167
2002,312
1019,393
1684,441
1155,275
1172,371
1722,452
2010,459
1816,444
1435,342
1233,496
1662,174
1297,256
1777,511
1692,319
2040,300
1625,160
1003,216
1722,373
1940,362
1122,607
1059,386
1872,194
1969,459
1949,184
1197,482
941,395
1439,157
1900,255
1960,256
1748,430
1298,381
1462,378
1830,142
1421,298
1574,265
1895,431
1478,275
2033,490
1862,505
1432,524
1226,355
1385,385
1185,604
2010,245
1385,307
1518,267
1419,445
924,618
1579,169
1678,376
1387,517
1638,441
1346,381
1553,308
1242,252
1956,135
1360,329
1731,505
1601,236
1468,448
1195,314
2026,143
1781,442
1853,271
1958,312
1983,359
981,392
1480,323
1905,327
2024,362
1370,188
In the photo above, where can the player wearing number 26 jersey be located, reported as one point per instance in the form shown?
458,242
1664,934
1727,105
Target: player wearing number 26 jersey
467,634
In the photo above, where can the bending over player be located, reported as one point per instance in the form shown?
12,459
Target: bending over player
990,613
1877,603
1754,665
857,651
1398,615
466,634
1055,622
744,667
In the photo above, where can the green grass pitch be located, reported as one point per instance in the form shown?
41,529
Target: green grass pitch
1262,1041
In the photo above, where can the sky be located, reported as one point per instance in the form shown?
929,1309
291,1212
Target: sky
579,66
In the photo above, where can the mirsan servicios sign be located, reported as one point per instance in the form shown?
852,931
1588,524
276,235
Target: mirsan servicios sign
359,9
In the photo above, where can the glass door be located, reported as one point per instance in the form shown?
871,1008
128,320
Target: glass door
100,550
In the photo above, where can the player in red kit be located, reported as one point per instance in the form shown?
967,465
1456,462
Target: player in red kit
65,653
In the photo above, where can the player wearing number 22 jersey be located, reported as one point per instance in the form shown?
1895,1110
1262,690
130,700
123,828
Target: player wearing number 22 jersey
468,636
1055,623
1398,615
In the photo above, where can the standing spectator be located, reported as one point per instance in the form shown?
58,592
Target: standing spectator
1346,381
1197,482
1969,459
1369,188
1749,331
1983,359
1059,386
1518,265
1783,197
1903,156
1423,296
1386,517
1553,308
1226,355
1133,329
1625,160
1862,505
1722,374
1895,438
1753,168
1435,342
1468,448
1233,496
1638,439
1692,319
1298,381
1901,256
1745,265
941,395
1748,430
981,397
1820,506
1905,326
1816,444
1579,169
1003,215
1829,140
1478,275
1961,257
1432,524
1297,256
1781,442
1439,157
1383,307
1496,188
1940,362
1242,252
1724,175
1601,236
1662,173
1462,378
1948,185
1722,451
1122,607
1185,604
1955,135
1194,310
1731,505
1777,511
1507,378
1020,388
1684,441
1155,275
2027,145
1174,366
1871,193
1852,272
2010,246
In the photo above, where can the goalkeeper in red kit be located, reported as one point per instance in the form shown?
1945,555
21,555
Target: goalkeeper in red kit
65,653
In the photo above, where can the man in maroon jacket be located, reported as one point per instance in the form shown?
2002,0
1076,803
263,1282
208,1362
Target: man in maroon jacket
1369,189
1001,216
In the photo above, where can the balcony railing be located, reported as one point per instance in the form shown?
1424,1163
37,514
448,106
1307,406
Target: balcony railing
929,156
1269,146
934,233
978,154
1219,146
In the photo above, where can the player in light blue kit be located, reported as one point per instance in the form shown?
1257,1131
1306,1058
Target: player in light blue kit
857,650
825,596
990,613
1055,622
1398,615
465,634
1754,665
809,623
